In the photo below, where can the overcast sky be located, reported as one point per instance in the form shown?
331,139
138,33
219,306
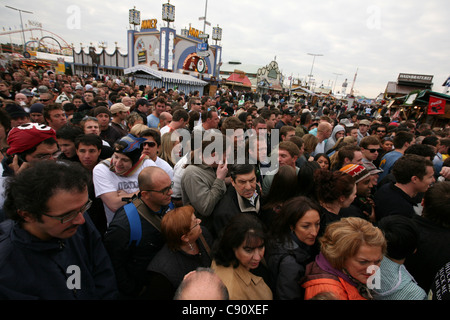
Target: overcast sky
379,38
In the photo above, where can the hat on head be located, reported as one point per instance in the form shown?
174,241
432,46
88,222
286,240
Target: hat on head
42,89
372,168
346,122
78,87
15,111
101,109
89,87
27,136
27,92
118,107
36,108
365,121
358,172
130,146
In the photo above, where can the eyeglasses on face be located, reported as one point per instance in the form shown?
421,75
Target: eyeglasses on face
374,150
197,223
48,156
66,217
382,131
150,144
164,191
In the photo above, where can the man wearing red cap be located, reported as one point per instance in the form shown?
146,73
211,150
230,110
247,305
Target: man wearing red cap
28,143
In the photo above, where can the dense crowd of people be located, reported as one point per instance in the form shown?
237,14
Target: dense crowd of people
117,191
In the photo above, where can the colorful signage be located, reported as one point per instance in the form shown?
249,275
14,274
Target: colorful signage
436,105
195,33
149,24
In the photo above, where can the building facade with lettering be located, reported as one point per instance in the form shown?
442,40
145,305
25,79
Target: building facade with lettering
165,50
162,51
407,83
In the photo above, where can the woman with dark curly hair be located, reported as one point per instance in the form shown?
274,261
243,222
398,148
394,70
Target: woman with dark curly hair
334,190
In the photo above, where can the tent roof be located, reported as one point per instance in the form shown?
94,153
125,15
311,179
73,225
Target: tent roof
303,89
241,78
166,76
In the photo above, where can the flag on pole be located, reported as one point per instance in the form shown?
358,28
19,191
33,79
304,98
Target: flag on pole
446,83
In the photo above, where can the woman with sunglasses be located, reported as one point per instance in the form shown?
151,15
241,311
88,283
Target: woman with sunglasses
186,249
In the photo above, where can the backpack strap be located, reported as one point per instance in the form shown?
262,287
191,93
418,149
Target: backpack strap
134,210
142,209
135,223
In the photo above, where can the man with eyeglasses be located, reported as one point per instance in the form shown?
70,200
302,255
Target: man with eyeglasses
195,104
370,148
29,143
151,148
381,131
116,178
133,237
46,98
50,249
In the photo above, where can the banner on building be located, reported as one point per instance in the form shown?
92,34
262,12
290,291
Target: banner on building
436,105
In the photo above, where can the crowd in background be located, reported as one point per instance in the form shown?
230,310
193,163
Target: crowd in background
327,201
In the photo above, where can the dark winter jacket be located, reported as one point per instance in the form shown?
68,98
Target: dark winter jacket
230,205
130,260
390,200
433,251
60,269
287,262
174,265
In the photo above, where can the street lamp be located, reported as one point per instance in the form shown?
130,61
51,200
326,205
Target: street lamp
168,13
217,33
337,74
21,23
314,55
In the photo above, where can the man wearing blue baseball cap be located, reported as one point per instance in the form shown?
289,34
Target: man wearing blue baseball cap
117,178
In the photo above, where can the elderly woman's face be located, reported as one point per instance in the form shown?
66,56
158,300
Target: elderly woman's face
359,266
194,230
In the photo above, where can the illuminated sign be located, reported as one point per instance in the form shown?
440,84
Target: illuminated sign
149,24
195,33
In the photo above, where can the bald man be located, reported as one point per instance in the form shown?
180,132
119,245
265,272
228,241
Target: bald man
129,253
323,133
201,284
164,119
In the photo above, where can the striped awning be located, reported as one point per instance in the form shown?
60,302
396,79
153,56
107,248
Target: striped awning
166,77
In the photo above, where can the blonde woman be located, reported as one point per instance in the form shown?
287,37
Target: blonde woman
351,250
170,148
